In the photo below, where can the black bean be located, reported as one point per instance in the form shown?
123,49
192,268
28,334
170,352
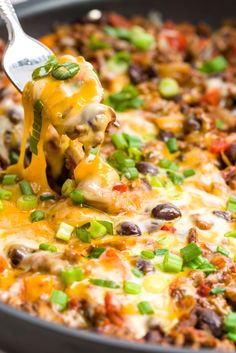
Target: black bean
154,335
146,168
14,116
224,215
192,123
165,135
139,74
128,228
17,255
231,153
208,319
145,266
166,211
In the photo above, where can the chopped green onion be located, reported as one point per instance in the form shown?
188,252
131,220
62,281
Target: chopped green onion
168,87
1,205
97,230
231,336
217,290
119,141
132,287
43,71
140,38
133,141
172,263
37,216
230,234
231,204
137,273
96,43
13,156
175,178
65,71
27,202
108,225
131,173
60,299
168,164
36,127
118,32
155,181
146,254
190,252
207,267
230,322
5,194
47,247
9,179
46,196
64,231
83,234
71,275
128,97
215,65
96,253
26,188
68,187
104,283
219,124
160,252
172,145
145,308
77,197
196,263
119,62
188,173
222,251
135,154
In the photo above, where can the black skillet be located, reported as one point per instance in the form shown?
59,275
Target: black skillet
20,332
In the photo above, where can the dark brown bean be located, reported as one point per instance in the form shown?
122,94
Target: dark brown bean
138,74
128,228
208,319
192,235
224,215
166,211
145,266
231,153
17,255
192,123
146,168
165,135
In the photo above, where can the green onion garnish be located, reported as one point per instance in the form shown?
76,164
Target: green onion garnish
47,247
60,299
83,234
215,65
217,290
9,179
94,229
68,187
168,87
146,254
231,336
176,179
71,275
188,173
27,202
65,71
230,322
119,62
119,141
190,252
172,145
37,216
230,234
137,273
64,231
97,230
1,205
222,251
130,173
43,71
25,187
145,308
133,141
36,127
104,283
96,253
168,164
132,287
140,38
231,204
172,263
96,43
5,194
219,124
128,97
13,156
108,225
77,197
160,252
46,196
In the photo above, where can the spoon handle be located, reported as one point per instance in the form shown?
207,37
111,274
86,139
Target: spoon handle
8,14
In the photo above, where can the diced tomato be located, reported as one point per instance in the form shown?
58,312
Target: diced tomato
75,303
118,21
204,290
113,309
212,97
120,187
202,43
219,146
102,100
170,229
175,39
3,264
110,260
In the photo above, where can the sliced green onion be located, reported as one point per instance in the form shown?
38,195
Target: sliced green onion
222,251
231,204
172,263
207,267
160,252
135,154
97,230
196,263
83,234
27,202
145,308
215,65
128,97
65,71
168,87
217,290
64,231
118,32
219,124
43,71
5,194
71,275
13,156
168,164
119,141
47,247
96,43
230,234
146,254
9,179
68,187
96,253
119,62
37,126
37,216
188,173
140,38
231,336
131,173
132,287
26,188
230,322
190,252
108,225
1,205
133,141
155,181
77,197
172,145
46,196
176,179
104,283
60,299
137,273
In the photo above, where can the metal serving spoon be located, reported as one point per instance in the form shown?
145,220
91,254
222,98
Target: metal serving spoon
23,53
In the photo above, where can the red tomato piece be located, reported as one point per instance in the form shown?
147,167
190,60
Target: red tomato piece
212,97
120,187
170,229
118,21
